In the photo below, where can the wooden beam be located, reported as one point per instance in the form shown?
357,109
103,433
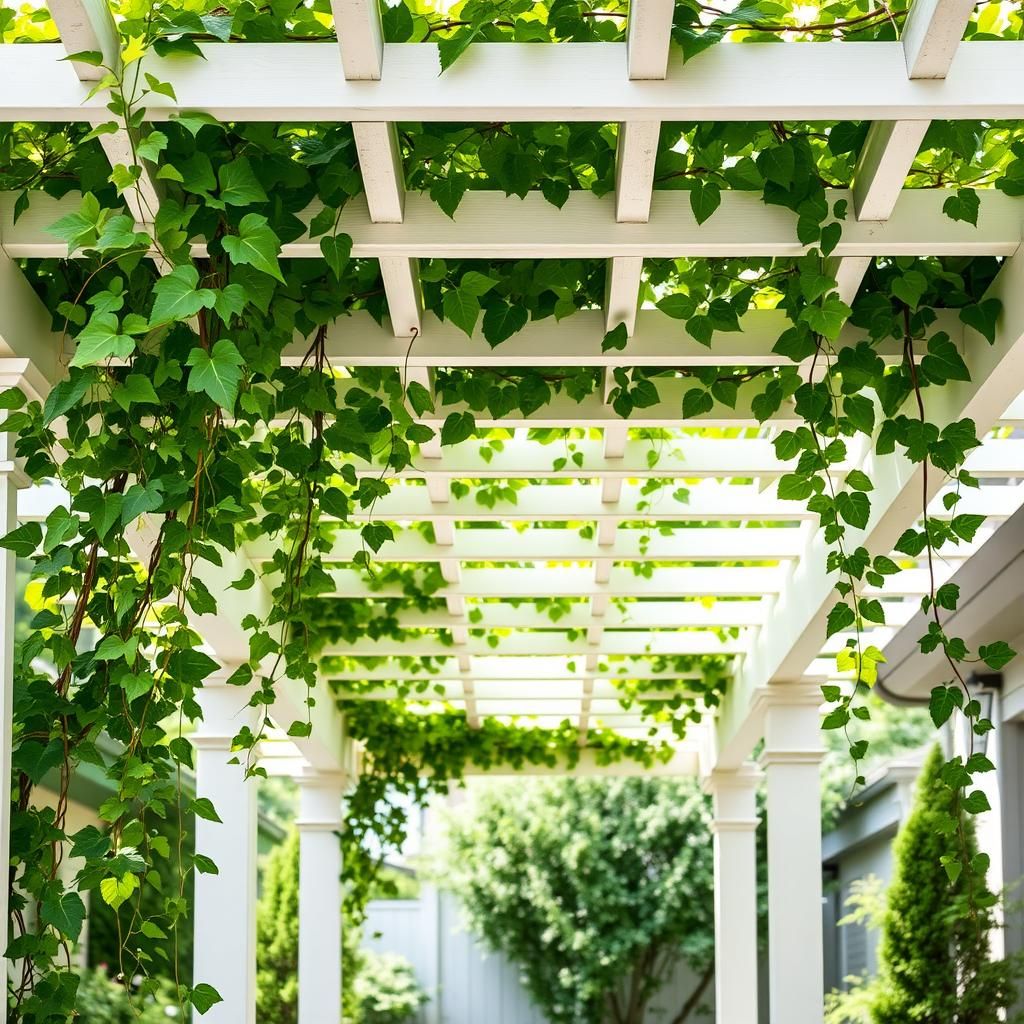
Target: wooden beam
564,83
490,225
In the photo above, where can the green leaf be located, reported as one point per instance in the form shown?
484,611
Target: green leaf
963,206
65,912
943,362
996,655
419,398
203,808
178,295
778,164
983,316
134,389
697,402
336,250
858,480
457,427
377,535
217,374
449,50
462,308
100,341
841,616
255,245
239,185
24,540
135,686
943,702
616,338
854,507
203,996
827,319
705,198
118,890
502,320
475,283
448,191
976,802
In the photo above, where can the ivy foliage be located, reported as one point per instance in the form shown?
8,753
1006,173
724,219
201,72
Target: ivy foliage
200,412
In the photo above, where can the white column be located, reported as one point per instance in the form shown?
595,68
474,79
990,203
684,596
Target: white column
8,521
791,762
225,903
23,374
320,895
735,850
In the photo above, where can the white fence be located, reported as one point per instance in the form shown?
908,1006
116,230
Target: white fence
467,983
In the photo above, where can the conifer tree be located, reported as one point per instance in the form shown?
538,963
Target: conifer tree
935,962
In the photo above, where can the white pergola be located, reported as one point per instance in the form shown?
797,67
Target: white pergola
765,616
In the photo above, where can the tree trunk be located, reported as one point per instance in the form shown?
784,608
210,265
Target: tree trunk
696,995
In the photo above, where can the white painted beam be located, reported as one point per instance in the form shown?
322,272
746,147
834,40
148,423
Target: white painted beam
492,226
25,325
883,164
708,501
360,39
932,34
591,763
88,25
380,164
564,83
639,615
565,545
685,459
540,693
622,292
528,645
658,340
402,288
529,670
723,581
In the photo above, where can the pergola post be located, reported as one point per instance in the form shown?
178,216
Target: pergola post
225,903
734,794
8,521
14,373
791,761
320,895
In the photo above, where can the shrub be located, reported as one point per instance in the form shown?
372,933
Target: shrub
386,990
102,1000
935,961
596,888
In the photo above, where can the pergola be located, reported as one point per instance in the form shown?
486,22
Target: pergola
722,568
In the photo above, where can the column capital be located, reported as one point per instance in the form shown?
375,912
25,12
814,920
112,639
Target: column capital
24,374
747,776
792,723
226,710
734,795
320,801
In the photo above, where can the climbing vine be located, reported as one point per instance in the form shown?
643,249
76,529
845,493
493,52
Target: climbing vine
201,413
